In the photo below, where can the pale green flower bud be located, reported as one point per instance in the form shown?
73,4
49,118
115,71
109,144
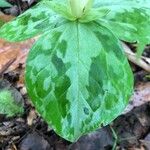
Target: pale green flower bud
79,7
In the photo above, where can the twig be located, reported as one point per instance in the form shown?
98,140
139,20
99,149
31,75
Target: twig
143,62
6,66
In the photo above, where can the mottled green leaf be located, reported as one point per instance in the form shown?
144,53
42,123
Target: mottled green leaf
124,31
94,14
78,78
140,20
3,3
125,13
33,22
61,8
64,10
119,5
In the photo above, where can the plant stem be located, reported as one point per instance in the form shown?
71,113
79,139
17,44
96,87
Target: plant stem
143,62
115,137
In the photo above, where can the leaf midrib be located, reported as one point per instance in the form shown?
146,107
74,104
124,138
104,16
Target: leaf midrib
78,105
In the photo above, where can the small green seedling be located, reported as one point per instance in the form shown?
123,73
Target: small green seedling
8,106
77,74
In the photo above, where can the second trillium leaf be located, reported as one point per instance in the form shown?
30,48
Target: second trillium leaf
33,22
4,3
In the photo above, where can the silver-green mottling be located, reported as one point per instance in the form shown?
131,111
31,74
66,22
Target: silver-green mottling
33,22
119,5
77,75
78,78
139,19
125,15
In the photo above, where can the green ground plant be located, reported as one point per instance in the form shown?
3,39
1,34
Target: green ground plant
4,3
77,74
8,106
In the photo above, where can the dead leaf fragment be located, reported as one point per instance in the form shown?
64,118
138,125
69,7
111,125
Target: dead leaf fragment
31,117
12,55
141,96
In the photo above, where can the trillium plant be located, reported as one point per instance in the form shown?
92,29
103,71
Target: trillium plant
77,74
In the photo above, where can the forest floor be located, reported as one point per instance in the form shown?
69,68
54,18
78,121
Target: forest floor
130,131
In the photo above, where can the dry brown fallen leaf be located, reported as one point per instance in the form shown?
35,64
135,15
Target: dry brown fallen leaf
32,115
5,18
141,95
13,54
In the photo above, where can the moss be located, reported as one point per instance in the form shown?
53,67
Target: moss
8,106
